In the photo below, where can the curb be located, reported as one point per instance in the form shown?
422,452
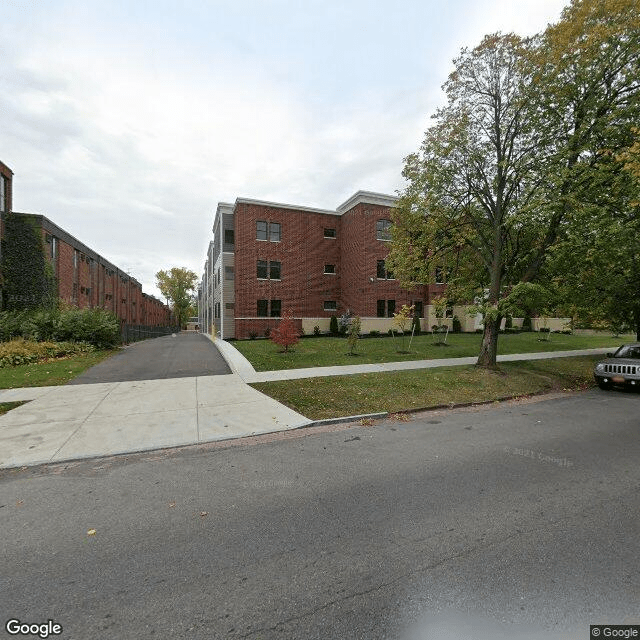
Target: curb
362,416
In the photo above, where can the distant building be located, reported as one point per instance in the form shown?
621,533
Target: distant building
84,278
267,258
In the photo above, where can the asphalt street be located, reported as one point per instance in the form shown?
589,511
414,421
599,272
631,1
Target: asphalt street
517,520
182,355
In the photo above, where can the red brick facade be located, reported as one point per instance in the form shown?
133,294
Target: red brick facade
326,259
86,280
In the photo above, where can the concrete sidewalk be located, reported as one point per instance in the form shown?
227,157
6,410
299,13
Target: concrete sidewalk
242,367
91,420
83,421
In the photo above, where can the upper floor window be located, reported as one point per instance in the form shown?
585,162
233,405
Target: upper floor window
268,231
229,273
228,236
382,272
329,268
329,233
269,270
383,229
4,189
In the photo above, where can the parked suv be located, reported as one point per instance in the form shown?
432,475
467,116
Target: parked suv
621,367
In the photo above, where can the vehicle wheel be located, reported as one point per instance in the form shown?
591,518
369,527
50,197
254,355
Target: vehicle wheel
604,385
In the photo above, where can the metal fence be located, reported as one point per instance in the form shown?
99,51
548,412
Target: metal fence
137,332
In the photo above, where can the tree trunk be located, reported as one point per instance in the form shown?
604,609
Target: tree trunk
489,347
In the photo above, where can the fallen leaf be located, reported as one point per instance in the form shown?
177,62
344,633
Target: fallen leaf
204,513
19,503
91,532
171,505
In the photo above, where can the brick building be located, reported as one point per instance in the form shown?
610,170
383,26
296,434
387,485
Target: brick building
267,258
85,279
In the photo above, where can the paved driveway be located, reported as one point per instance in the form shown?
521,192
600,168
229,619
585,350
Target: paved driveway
183,355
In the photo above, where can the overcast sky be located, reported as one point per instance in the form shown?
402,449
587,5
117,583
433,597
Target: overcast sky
127,121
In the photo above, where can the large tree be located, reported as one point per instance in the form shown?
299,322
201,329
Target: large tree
517,154
472,200
178,285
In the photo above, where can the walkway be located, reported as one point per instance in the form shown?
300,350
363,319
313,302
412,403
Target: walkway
89,420
182,355
245,370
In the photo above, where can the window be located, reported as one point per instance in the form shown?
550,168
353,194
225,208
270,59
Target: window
229,273
418,309
382,272
3,194
330,305
263,306
442,275
276,306
383,229
268,231
449,312
381,309
391,308
261,230
329,268
270,270
274,231
228,236
329,233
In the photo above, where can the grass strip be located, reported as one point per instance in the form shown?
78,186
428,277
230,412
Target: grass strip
325,352
396,391
7,406
51,372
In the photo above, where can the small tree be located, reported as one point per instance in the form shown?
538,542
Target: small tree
353,334
402,319
285,334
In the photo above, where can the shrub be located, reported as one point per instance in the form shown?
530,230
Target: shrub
544,330
21,351
353,334
333,326
526,323
416,326
98,327
374,333
267,332
316,330
508,322
457,326
252,335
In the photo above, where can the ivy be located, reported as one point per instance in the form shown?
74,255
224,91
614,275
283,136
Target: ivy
27,277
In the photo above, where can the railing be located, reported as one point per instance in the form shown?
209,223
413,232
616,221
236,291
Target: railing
137,332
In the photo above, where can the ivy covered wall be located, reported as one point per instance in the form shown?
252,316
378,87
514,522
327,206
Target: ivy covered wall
26,276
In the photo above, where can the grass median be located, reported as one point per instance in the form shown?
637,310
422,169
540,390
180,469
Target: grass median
397,391
51,372
326,351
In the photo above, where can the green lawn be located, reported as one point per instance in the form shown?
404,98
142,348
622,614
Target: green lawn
264,355
396,391
51,372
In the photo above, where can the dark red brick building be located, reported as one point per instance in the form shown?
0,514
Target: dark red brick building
85,279
267,258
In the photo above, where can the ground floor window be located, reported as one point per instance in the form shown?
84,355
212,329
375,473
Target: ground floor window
276,308
386,308
263,308
330,305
